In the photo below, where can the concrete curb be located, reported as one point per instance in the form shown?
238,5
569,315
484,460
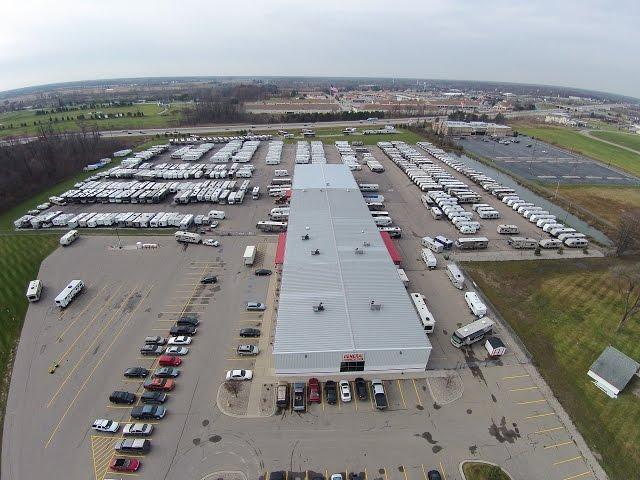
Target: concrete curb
461,470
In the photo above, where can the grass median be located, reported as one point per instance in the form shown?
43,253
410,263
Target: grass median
629,140
606,202
483,471
566,313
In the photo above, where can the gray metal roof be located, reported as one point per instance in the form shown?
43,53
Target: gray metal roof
615,367
338,221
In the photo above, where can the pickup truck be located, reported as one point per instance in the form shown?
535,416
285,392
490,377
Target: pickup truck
299,397
380,398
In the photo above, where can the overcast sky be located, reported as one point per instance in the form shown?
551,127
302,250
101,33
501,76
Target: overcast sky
588,44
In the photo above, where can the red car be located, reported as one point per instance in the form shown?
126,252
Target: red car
169,360
314,390
120,464
159,384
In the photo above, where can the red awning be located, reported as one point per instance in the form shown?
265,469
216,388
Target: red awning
391,248
282,241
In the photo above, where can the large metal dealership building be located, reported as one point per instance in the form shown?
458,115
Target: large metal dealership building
344,308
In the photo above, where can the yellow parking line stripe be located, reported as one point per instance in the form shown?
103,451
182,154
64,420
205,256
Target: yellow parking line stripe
532,401
558,445
417,395
577,476
385,473
444,474
540,415
515,376
404,471
549,429
524,389
102,357
573,459
424,473
402,397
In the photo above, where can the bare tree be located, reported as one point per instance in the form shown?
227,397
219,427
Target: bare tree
232,387
629,278
628,233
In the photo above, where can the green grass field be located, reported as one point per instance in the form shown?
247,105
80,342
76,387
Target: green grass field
482,471
574,141
20,258
154,117
629,140
604,202
331,135
566,312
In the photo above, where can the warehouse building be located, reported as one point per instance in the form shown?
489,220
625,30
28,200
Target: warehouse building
342,305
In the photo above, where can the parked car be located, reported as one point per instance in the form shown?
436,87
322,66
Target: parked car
188,320
166,372
263,271
209,279
104,425
132,445
136,372
434,475
247,350
314,390
179,340
155,340
239,375
211,242
330,392
249,332
144,412
151,350
176,351
159,384
361,389
119,464
256,306
345,391
169,361
177,330
153,398
119,396
139,429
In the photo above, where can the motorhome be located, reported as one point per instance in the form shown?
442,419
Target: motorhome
426,318
522,243
431,244
187,237
471,333
508,229
34,290
455,275
269,226
66,296
429,259
472,243
69,237
445,242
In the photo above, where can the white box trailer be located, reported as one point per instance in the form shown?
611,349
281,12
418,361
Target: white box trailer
474,303
429,259
455,275
249,255
187,237
34,290
473,332
66,296
69,237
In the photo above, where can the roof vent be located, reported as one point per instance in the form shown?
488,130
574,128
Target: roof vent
305,236
359,251
375,306
318,308
366,244
315,252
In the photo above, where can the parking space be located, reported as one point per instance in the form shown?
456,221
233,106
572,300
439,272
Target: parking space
541,162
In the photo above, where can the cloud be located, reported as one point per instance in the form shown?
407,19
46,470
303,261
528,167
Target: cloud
585,44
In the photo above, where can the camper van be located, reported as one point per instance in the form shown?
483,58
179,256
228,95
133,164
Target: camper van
455,275
508,229
429,259
34,290
69,237
476,306
431,244
472,332
65,297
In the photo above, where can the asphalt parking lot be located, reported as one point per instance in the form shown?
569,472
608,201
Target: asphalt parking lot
545,163
465,406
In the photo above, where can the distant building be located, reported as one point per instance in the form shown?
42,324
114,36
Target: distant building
463,129
612,371
560,119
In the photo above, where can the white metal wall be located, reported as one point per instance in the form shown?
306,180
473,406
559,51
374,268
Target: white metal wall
329,362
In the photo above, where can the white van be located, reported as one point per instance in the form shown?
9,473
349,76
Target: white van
431,244
281,173
455,275
429,259
436,213
216,214
508,229
34,290
476,306
69,237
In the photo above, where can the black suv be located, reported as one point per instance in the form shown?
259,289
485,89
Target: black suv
209,279
330,392
136,372
122,397
154,398
249,332
361,389
182,330
188,320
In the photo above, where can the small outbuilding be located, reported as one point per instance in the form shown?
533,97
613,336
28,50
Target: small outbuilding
495,347
612,371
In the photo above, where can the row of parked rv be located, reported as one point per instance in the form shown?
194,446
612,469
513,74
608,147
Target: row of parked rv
537,215
191,153
113,219
348,155
274,152
310,154
215,192
196,139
